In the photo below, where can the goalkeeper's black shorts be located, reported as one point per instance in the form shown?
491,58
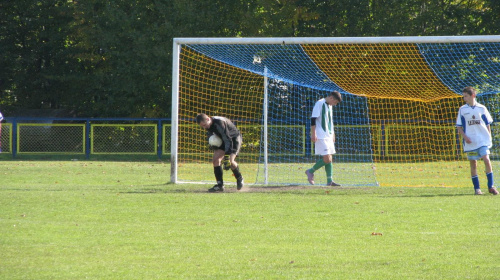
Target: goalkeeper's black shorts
236,145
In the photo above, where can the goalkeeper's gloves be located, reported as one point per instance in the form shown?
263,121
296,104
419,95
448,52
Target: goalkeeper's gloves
226,163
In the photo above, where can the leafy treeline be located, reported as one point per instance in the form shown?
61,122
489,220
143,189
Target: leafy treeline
112,58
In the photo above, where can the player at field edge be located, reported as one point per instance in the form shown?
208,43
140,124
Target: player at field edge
323,136
473,124
227,152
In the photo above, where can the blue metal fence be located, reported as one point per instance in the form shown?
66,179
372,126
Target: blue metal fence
12,136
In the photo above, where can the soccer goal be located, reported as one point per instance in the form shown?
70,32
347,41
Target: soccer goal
395,126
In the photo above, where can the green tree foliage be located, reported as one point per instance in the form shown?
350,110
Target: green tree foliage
123,56
388,17
113,58
34,54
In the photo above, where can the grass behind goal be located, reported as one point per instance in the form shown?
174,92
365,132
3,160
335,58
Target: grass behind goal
121,220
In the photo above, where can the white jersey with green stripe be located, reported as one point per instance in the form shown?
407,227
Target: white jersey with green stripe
324,121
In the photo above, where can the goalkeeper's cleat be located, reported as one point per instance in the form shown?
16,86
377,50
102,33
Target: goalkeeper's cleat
333,184
478,192
239,183
310,177
216,188
493,191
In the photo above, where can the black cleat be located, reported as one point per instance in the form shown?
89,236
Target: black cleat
333,184
239,183
216,188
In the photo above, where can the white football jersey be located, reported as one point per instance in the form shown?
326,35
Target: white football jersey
475,120
1,117
324,120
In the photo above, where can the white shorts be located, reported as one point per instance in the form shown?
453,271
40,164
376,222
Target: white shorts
324,147
477,154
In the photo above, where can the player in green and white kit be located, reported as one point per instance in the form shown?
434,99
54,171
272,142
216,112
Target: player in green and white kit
323,135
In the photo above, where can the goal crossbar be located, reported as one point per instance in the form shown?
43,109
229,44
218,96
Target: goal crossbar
340,40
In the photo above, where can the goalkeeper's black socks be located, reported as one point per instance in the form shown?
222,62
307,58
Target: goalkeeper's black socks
237,173
218,175
239,178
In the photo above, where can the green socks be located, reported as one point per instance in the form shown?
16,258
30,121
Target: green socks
329,172
320,163
328,168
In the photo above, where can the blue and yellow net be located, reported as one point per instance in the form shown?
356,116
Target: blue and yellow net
400,103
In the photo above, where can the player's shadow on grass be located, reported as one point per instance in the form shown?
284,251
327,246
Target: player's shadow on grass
289,189
433,195
382,192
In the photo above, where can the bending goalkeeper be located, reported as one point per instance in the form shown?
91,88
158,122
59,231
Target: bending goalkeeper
226,152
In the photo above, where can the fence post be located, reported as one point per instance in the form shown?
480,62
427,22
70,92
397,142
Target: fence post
160,143
87,139
14,137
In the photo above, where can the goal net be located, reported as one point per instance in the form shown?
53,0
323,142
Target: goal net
395,126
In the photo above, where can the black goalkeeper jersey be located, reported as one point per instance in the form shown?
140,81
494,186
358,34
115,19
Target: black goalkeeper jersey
226,130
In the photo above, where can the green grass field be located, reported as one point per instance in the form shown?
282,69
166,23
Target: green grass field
122,220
